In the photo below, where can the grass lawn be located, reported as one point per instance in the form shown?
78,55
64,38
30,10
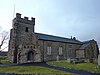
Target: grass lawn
28,69
90,67
31,70
3,60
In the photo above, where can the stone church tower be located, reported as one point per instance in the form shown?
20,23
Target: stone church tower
23,42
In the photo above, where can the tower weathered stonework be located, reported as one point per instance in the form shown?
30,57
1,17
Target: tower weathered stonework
23,46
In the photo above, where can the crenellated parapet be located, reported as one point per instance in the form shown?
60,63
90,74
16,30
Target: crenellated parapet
23,20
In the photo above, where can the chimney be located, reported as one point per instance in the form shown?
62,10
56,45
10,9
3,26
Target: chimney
71,37
74,38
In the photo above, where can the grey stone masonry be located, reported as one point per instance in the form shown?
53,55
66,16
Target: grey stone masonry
24,20
99,60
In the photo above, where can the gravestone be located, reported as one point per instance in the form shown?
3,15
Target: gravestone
57,58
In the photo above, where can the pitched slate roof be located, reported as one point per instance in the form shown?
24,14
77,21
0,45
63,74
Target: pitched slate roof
56,38
85,42
84,46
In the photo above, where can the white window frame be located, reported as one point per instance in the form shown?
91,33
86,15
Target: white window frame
60,50
48,50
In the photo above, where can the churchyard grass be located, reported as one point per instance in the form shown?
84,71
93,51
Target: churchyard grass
31,70
28,69
3,60
90,67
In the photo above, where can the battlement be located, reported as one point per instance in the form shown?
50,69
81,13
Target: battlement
24,20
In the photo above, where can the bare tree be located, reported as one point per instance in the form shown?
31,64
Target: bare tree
4,36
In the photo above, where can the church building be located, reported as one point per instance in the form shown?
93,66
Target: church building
26,45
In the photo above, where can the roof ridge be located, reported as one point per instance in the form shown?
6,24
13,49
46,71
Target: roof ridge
56,38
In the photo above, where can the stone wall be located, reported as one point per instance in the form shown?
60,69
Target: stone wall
80,54
99,60
68,50
71,48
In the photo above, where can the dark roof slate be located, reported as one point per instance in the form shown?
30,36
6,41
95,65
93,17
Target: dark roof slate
84,46
56,38
85,42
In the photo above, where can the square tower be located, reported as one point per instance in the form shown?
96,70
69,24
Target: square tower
21,33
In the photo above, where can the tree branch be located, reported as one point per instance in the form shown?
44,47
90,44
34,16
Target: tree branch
4,38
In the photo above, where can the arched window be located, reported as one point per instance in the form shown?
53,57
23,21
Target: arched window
49,50
60,50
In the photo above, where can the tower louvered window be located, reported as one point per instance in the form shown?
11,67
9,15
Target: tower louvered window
26,29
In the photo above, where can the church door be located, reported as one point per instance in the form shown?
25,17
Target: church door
30,56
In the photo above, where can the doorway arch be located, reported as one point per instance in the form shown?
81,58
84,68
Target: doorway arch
30,56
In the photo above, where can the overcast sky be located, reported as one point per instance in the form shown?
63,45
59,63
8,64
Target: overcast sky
77,18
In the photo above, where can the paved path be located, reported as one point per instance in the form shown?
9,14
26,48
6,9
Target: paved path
55,67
